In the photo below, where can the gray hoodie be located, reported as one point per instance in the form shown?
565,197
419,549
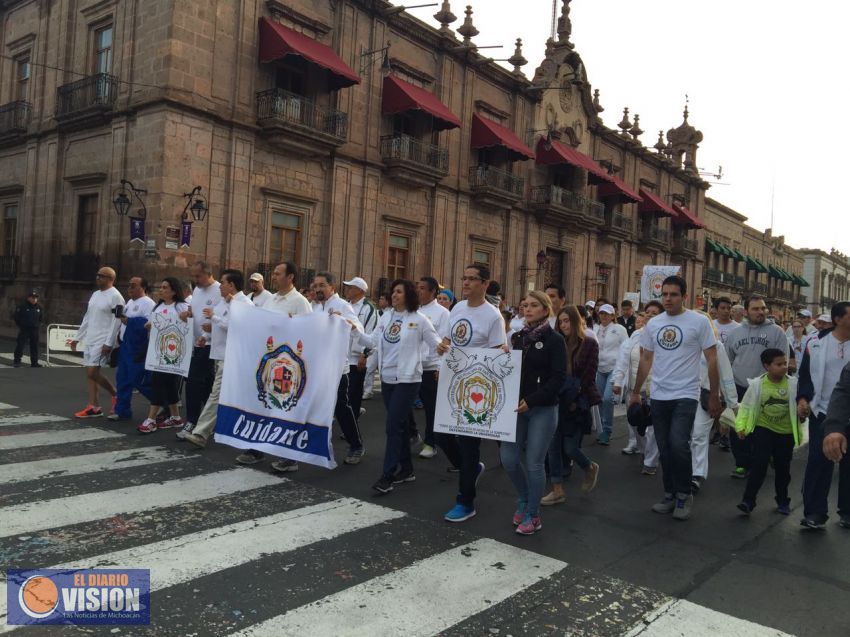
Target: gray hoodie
745,345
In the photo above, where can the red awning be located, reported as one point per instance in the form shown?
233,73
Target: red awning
278,41
652,203
618,188
562,154
687,218
486,134
400,96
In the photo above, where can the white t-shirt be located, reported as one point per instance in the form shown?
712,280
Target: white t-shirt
610,339
677,343
292,303
391,324
723,331
439,317
834,363
201,298
480,326
220,323
135,308
100,326
172,309
260,299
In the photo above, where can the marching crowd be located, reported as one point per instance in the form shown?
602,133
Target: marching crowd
732,377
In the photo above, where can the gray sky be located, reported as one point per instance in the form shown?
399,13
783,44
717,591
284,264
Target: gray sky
762,81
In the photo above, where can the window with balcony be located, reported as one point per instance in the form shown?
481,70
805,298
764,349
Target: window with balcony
102,54
23,70
87,209
398,256
285,237
9,229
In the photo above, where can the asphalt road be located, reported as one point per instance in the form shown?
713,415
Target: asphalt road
608,565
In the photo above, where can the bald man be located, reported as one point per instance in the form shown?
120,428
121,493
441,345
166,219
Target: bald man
98,332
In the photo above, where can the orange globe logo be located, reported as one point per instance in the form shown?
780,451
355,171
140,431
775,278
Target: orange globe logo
38,596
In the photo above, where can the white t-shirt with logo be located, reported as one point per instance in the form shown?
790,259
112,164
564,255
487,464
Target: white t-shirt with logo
677,343
392,322
480,326
835,359
723,331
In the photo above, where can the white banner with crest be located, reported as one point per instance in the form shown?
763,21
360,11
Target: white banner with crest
653,277
478,393
280,381
170,345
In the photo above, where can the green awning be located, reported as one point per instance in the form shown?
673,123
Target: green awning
787,274
712,246
755,264
801,281
738,256
725,250
778,273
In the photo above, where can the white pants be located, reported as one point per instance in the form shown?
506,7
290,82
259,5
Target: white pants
371,368
650,449
206,421
699,443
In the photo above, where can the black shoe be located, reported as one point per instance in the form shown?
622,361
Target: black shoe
696,484
16,364
745,507
812,524
844,522
452,470
383,485
36,365
404,476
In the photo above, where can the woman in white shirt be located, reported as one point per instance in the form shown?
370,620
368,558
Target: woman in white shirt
399,339
165,388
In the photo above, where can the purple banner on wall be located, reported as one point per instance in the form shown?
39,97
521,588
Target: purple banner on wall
185,233
137,230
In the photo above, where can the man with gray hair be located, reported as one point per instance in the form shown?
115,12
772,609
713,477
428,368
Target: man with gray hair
738,313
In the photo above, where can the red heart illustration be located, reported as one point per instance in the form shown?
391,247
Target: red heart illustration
476,397
172,347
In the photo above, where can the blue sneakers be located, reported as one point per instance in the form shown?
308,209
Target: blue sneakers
459,513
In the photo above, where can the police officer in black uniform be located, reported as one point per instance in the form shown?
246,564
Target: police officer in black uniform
28,317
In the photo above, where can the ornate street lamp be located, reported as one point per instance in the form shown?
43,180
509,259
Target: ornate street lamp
122,200
196,204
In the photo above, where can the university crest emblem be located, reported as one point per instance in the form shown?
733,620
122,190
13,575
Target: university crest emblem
477,391
171,342
281,376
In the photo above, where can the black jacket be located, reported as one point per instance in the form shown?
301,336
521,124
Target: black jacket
628,323
543,369
28,316
838,415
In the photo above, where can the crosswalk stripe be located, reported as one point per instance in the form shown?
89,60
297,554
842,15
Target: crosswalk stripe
59,437
38,516
88,463
29,419
681,617
457,583
182,559
7,406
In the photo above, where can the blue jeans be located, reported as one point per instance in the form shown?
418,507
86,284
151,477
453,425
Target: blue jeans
673,421
398,400
568,445
605,385
534,431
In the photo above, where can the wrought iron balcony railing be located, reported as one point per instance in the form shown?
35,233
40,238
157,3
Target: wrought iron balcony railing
484,176
94,93
15,118
282,107
409,149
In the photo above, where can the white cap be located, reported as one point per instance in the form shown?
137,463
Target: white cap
805,313
256,277
358,283
606,309
825,318
590,304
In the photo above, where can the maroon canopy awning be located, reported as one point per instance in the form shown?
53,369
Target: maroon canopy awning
278,41
687,218
486,134
653,204
400,96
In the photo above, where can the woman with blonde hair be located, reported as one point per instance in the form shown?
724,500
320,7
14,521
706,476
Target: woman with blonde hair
578,394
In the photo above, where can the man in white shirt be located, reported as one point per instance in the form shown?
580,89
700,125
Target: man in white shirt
355,293
259,294
201,370
738,313
427,288
672,344
473,322
824,358
610,335
724,323
133,339
231,292
99,332
290,302
558,296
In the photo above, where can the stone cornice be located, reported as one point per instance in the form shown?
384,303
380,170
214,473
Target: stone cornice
481,105
278,8
713,203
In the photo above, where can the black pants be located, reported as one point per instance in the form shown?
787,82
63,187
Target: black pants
818,477
27,334
165,389
767,444
428,396
742,450
200,382
470,455
345,416
356,380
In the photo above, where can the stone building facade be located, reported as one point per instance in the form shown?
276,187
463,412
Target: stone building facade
740,260
828,274
338,134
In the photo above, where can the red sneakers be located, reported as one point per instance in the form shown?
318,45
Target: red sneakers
90,411
530,525
171,422
147,427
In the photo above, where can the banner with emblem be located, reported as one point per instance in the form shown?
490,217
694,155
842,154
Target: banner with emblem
280,380
478,393
653,277
169,345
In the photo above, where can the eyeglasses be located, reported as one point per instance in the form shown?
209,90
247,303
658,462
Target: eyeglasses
471,278
102,276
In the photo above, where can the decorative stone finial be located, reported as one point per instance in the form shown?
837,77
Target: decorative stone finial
625,124
596,105
467,29
565,27
517,59
660,146
635,131
683,143
445,17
